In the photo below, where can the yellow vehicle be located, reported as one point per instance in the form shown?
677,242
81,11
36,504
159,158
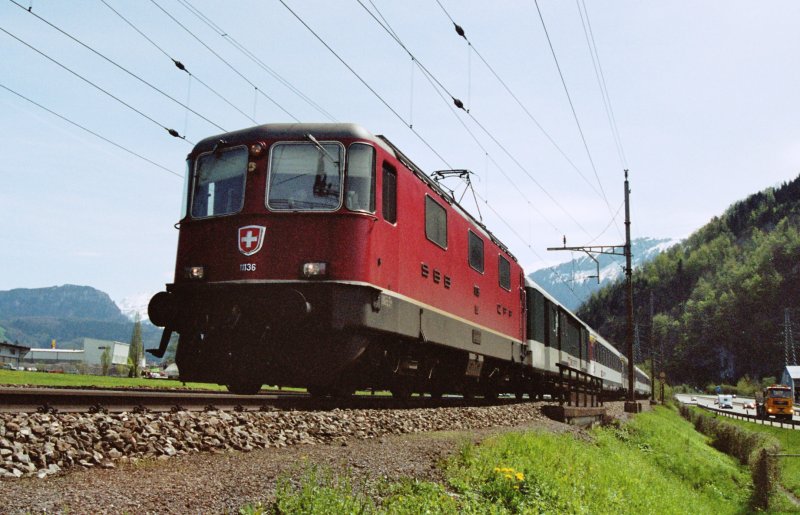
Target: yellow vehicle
775,401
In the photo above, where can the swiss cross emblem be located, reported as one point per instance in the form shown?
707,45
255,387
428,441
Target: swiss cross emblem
251,237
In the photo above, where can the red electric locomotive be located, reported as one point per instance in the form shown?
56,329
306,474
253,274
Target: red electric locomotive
319,256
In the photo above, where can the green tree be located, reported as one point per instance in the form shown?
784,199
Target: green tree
136,350
105,360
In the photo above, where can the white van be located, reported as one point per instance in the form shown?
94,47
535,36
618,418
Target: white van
725,401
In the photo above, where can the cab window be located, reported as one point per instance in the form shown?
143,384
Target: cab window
305,177
360,180
218,185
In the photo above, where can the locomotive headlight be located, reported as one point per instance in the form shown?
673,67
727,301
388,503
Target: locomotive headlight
195,272
315,270
256,149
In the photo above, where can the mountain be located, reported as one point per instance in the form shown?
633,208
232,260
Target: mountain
135,304
720,296
68,301
573,282
36,316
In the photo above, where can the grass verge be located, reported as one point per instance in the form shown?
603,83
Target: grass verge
657,463
18,377
790,444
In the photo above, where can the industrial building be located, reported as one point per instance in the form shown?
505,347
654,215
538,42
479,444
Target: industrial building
91,353
12,353
791,377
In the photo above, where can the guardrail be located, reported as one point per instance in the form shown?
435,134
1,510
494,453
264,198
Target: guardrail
753,418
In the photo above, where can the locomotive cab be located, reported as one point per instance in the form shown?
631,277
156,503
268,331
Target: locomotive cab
319,256
267,212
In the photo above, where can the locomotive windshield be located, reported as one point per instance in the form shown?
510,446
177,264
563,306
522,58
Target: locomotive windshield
305,177
219,182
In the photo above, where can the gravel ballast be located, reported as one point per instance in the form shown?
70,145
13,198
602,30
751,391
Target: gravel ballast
219,461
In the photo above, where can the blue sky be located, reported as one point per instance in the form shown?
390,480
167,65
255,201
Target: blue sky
704,94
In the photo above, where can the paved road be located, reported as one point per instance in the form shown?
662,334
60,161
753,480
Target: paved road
738,403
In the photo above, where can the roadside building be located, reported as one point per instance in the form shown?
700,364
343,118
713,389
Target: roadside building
90,353
791,377
94,349
12,353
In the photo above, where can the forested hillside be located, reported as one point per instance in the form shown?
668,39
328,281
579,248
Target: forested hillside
36,316
719,297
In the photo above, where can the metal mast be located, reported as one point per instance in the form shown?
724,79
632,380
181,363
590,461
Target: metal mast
619,250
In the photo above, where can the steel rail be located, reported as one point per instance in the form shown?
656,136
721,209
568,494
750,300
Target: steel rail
77,400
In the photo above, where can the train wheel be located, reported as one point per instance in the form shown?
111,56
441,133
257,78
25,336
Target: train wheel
317,391
401,392
490,394
244,386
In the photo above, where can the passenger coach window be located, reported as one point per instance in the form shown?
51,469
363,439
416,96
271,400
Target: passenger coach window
219,178
504,271
303,177
435,222
360,180
389,194
475,252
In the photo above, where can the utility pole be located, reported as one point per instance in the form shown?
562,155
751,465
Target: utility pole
788,339
631,406
637,345
652,353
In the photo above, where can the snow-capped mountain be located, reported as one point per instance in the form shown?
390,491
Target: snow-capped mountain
574,281
135,304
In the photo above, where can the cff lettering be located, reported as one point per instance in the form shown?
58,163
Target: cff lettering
247,267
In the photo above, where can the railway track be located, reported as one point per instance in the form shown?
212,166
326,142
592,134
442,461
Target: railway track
80,400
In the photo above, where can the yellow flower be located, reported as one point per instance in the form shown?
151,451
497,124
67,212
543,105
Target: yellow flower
509,476
520,476
497,469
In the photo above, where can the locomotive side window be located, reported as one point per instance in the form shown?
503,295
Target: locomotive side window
360,180
305,177
504,272
475,252
389,194
435,222
219,179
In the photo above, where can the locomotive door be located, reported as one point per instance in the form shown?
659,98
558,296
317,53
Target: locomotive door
387,238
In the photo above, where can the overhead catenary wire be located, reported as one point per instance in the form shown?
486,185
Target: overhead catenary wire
254,58
601,79
572,106
172,132
225,61
117,65
85,129
461,106
178,64
490,158
366,84
462,33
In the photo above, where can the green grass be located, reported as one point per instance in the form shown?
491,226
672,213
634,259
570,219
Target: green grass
790,444
656,464
17,377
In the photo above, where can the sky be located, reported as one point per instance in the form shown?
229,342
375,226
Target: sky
704,96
